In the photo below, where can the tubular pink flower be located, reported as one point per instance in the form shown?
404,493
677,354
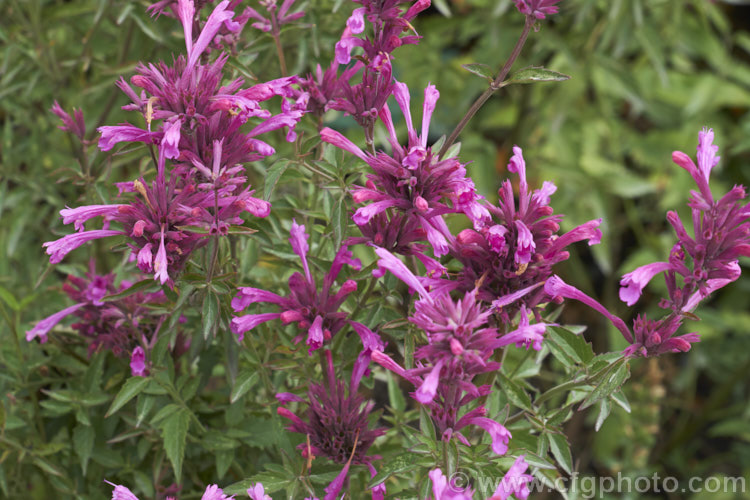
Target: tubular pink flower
514,482
298,239
43,327
525,335
111,135
356,21
171,140
257,492
315,336
431,96
58,249
212,26
633,283
525,244
248,295
160,262
241,325
213,492
498,433
555,287
363,214
80,215
121,492
393,264
332,137
138,362
186,12
426,392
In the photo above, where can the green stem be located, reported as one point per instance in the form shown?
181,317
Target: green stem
494,86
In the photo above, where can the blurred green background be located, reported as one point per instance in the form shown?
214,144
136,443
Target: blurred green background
646,76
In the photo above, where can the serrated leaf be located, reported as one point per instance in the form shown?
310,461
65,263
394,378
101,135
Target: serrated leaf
174,433
609,382
273,174
83,444
515,393
574,345
534,74
210,313
560,449
131,388
245,381
479,69
402,463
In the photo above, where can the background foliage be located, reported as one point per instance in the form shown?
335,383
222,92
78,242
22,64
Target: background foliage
646,75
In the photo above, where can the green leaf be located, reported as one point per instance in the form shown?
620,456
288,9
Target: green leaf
131,388
442,7
174,432
210,313
395,396
515,393
425,424
145,286
83,444
245,381
558,445
340,222
9,299
604,408
143,407
609,382
273,174
534,74
402,463
480,69
573,345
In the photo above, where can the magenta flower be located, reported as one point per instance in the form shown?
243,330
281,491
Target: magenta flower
258,492
389,23
537,8
697,266
277,16
442,489
336,422
515,248
515,482
411,180
125,326
75,124
460,345
213,492
316,311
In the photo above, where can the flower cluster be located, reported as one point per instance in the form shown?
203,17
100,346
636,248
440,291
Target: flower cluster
514,249
124,326
316,311
201,131
336,423
412,182
698,265
459,348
